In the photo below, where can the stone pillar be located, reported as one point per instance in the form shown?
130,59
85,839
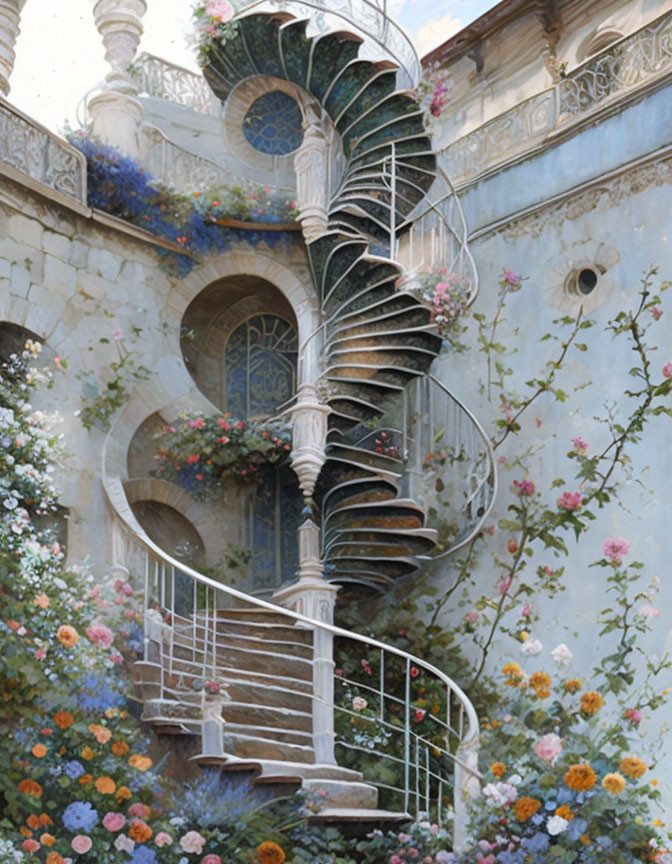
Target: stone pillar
115,112
10,18
309,436
467,786
312,175
313,597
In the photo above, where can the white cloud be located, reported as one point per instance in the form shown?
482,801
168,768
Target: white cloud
433,33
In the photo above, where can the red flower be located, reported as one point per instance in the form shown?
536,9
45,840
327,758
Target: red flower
414,672
191,460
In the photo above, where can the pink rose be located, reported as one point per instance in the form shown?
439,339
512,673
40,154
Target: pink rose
667,370
163,839
30,845
510,277
524,487
634,715
220,10
570,501
526,611
139,811
657,313
580,445
648,612
100,635
419,714
192,842
114,821
548,747
211,859
615,548
81,844
395,859
472,617
503,585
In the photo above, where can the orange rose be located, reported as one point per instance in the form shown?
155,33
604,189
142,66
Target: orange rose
139,831
142,763
33,821
120,748
44,820
101,733
524,808
270,853
106,786
39,750
124,793
580,777
25,832
55,858
64,719
47,839
67,635
42,601
30,787
85,779
498,769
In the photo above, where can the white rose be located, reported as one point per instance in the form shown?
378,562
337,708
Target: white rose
556,825
562,655
124,843
531,647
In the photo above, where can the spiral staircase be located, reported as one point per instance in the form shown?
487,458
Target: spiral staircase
255,682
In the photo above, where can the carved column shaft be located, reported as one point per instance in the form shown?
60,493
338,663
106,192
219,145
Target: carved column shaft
311,164
10,18
309,437
116,114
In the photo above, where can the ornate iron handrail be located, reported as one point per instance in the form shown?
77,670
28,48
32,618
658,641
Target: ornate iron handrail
181,644
163,80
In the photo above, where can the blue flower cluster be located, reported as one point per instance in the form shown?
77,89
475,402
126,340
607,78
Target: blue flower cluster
119,186
143,855
80,816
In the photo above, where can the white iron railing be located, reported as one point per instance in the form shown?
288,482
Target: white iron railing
433,760
160,79
368,18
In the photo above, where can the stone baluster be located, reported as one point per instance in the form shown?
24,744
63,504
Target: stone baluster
315,598
10,18
115,112
309,436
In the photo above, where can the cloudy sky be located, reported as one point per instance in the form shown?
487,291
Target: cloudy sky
60,54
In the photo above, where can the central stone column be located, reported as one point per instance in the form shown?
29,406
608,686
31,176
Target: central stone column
116,113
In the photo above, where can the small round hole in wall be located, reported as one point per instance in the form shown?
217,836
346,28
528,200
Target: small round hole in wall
583,281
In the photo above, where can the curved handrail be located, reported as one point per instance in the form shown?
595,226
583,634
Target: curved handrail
369,17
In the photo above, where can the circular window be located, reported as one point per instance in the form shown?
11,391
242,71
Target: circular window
274,124
583,281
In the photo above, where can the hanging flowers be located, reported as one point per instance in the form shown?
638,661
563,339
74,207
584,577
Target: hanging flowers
448,295
214,25
198,452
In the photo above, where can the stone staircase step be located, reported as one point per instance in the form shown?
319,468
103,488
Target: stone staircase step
265,633
341,793
271,733
266,715
250,746
356,814
274,770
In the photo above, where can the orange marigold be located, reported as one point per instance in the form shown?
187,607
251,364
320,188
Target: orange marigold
63,719
573,685
524,808
613,783
47,839
67,635
632,766
87,753
25,832
513,670
120,748
539,679
270,853
124,793
564,813
139,831
39,750
542,692
30,787
142,763
106,786
101,733
44,820
33,821
55,858
591,702
580,777
498,769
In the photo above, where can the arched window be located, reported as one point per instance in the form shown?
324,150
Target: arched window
260,366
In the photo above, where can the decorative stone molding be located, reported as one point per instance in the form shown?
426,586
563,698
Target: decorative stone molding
467,785
311,163
10,18
621,71
31,150
309,435
609,192
115,113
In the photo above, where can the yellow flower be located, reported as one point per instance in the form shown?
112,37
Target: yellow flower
542,692
540,680
124,793
564,813
632,766
657,823
614,783
580,777
573,685
591,702
142,763
513,670
106,786
87,753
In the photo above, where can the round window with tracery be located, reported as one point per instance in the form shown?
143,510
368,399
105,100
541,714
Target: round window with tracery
274,124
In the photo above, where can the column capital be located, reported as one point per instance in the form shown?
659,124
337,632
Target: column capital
10,18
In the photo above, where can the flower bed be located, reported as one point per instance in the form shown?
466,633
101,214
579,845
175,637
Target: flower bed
199,452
